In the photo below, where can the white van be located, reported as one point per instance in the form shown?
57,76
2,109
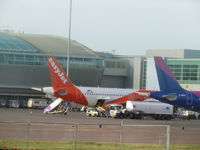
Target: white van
92,111
37,103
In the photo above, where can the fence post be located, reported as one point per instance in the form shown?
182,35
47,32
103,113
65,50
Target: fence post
120,136
75,135
28,131
28,136
168,137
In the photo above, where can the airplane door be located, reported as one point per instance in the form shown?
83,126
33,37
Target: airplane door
189,99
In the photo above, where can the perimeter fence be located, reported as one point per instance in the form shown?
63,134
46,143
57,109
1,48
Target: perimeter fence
72,136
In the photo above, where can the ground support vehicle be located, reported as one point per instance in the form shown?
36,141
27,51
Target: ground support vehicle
37,103
142,110
92,112
187,114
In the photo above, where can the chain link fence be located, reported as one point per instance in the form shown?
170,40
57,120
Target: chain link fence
74,136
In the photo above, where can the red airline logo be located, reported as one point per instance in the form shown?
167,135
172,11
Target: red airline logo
57,70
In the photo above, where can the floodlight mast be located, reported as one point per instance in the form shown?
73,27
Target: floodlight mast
69,36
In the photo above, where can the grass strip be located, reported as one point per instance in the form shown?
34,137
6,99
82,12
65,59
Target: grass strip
60,145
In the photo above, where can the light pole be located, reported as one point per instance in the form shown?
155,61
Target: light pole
69,36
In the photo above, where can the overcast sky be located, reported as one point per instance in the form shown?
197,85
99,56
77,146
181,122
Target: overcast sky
127,26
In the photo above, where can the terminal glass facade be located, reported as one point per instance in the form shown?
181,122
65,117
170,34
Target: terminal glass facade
11,43
14,50
30,59
186,71
115,64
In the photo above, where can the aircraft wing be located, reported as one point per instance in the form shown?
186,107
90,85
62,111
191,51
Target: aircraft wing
136,96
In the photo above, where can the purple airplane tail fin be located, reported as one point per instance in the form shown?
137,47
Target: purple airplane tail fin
167,81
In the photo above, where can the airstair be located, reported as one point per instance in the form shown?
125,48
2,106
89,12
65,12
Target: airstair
53,105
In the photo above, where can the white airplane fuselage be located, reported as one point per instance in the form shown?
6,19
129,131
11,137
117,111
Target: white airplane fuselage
92,94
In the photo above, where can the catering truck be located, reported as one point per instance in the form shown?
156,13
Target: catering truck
140,110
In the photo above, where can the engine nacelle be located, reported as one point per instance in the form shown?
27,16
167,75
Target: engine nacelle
61,92
48,90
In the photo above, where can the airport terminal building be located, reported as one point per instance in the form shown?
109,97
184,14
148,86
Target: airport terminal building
23,65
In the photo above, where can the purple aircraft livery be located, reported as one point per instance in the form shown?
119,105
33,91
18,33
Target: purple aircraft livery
170,90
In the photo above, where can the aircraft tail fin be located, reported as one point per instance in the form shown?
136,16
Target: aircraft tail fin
57,74
166,79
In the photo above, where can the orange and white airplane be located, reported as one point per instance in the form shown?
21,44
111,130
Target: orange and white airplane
63,88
